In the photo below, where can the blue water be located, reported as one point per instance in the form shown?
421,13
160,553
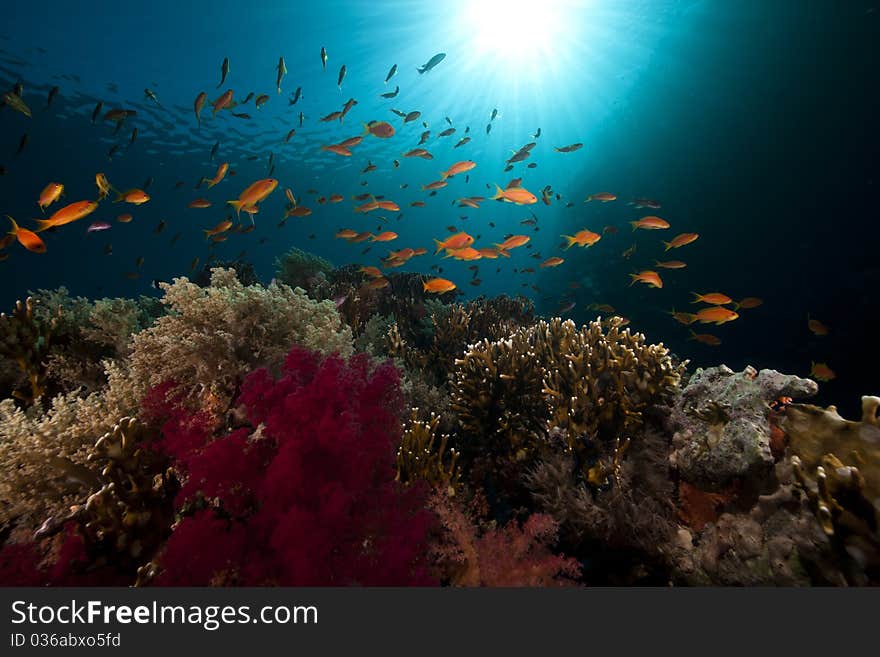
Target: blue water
753,123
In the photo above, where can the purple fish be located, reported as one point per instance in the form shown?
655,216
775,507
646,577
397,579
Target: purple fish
98,226
340,300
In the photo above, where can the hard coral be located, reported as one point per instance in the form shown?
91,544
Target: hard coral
24,341
216,335
308,495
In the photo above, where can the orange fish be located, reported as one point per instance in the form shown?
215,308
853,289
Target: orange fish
372,272
488,253
552,262
454,242
200,203
437,184
468,203
582,238
338,149
346,234
361,237
467,254
683,318
648,277
681,240
438,285
650,223
51,193
351,141
133,196
417,204
221,173
716,314
67,214
670,264
224,101
518,195
602,307
386,236
299,211
222,227
403,254
419,251
379,283
705,338
715,298
749,302
104,186
255,193
332,116
27,238
199,103
369,206
458,167
381,129
604,197
817,327
390,206
124,218
322,200
821,371
419,152
336,198
512,242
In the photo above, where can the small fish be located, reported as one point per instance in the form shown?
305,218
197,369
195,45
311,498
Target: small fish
568,149
289,135
381,129
391,94
716,315
682,318
51,193
224,101
261,100
23,142
27,238
650,223
134,134
149,94
391,73
282,71
324,58
749,302
488,128
431,63
537,134
214,149
649,277
629,252
301,119
124,218
412,116
713,298
645,203
816,327
821,372
159,227
462,142
604,197
224,71
97,111
341,76
53,92
670,264
517,195
241,115
14,101
553,261
296,96
681,240
705,338
582,238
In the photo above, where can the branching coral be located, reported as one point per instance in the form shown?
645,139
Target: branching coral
589,385
298,268
421,456
306,496
25,340
215,335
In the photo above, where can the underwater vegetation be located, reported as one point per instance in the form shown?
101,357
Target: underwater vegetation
242,434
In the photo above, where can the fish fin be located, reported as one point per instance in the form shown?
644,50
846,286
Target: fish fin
697,297
237,205
499,193
439,244
119,196
634,277
570,240
693,335
668,246
14,226
43,224
634,224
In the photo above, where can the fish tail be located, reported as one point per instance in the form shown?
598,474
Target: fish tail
237,205
440,246
634,224
499,193
42,224
697,297
14,225
119,196
693,335
570,240
668,246
634,278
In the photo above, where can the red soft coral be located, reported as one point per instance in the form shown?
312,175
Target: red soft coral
309,497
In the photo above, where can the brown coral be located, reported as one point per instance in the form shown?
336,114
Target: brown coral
25,341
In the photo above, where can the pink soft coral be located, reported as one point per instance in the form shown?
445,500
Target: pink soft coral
309,496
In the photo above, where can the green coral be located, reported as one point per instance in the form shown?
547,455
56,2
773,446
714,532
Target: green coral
298,268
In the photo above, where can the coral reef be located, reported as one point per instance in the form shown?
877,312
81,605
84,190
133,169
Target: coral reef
306,495
215,335
513,555
422,457
298,268
723,433
837,464
588,385
24,341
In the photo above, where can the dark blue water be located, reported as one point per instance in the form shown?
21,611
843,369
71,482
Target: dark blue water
753,124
